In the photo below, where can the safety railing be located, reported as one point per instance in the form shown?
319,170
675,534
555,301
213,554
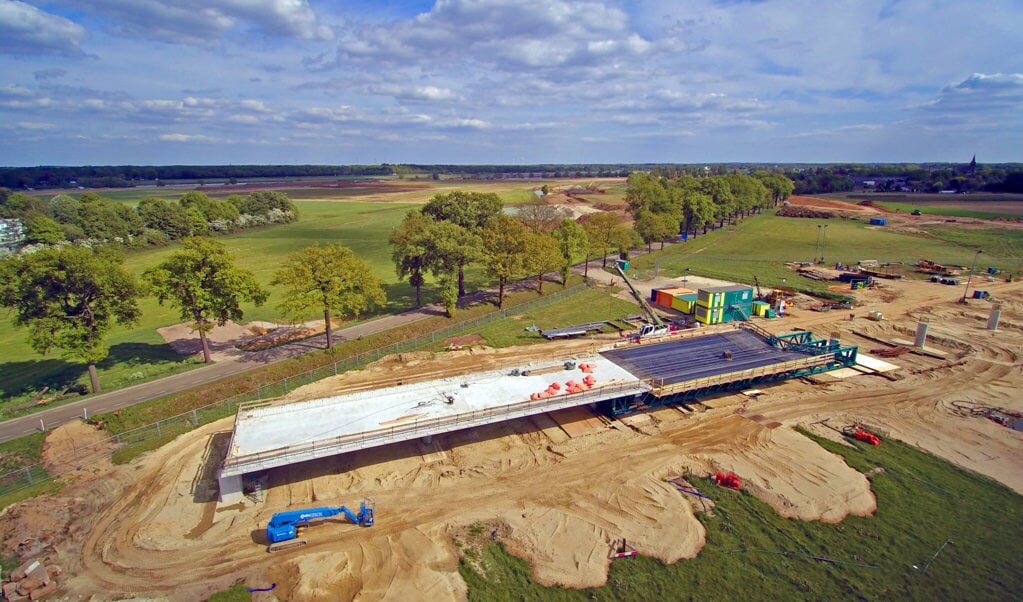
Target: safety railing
242,463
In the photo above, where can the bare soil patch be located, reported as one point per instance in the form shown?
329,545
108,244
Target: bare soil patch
813,201
557,501
226,342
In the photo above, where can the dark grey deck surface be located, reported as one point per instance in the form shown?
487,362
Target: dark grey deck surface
688,359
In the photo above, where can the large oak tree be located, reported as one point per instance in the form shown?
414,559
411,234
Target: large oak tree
202,281
69,298
470,210
329,278
505,251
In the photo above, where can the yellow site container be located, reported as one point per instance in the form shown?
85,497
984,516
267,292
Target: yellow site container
684,303
707,315
710,299
760,308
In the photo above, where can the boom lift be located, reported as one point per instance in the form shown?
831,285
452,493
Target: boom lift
657,327
284,529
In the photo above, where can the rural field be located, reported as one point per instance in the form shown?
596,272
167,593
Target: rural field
977,204
933,512
359,215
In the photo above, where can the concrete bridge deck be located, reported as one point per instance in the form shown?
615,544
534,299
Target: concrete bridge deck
269,435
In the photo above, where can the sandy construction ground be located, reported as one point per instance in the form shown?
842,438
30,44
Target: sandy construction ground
556,496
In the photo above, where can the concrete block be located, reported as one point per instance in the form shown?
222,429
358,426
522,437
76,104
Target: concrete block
28,585
10,590
44,592
22,571
38,571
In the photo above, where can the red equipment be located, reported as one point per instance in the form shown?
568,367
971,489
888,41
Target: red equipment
866,437
728,480
621,549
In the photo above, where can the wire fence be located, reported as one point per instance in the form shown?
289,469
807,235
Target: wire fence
156,434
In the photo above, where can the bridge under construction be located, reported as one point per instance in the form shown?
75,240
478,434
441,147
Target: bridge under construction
618,380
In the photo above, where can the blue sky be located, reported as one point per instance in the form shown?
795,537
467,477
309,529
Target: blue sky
509,81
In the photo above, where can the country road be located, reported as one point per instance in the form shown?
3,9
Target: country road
107,402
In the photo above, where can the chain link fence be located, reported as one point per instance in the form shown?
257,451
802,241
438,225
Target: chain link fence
154,435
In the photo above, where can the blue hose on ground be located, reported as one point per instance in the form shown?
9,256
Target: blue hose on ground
262,589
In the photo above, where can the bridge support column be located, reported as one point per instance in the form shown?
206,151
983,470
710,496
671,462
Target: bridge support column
230,489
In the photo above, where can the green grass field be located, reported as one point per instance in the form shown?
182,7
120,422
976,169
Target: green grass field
593,305
982,205
759,245
139,353
752,553
762,245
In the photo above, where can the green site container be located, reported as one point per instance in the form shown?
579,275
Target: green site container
736,312
723,296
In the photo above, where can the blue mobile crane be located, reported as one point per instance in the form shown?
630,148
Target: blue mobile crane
285,528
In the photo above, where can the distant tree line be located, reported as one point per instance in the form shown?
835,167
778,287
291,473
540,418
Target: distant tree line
908,178
808,178
667,203
92,219
121,176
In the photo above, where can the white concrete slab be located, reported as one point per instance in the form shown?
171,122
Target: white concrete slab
264,429
843,373
873,363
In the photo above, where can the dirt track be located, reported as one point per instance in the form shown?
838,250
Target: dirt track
150,527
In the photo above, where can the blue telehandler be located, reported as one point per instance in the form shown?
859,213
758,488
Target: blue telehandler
285,528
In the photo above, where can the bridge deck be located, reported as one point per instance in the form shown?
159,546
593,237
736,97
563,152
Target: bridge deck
700,357
285,433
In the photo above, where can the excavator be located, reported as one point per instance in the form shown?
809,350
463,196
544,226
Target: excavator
285,528
657,327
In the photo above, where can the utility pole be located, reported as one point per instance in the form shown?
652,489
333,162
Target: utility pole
824,240
969,278
817,245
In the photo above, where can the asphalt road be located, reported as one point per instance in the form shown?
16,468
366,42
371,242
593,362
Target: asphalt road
107,402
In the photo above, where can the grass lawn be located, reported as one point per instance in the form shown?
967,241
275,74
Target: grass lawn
139,353
983,205
592,305
752,553
946,211
761,245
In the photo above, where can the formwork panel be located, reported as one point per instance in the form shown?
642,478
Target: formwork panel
700,357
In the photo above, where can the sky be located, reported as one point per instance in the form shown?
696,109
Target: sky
156,82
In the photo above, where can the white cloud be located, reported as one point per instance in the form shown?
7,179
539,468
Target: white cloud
508,34
981,92
35,125
502,80
188,138
415,93
839,131
204,22
26,30
18,97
